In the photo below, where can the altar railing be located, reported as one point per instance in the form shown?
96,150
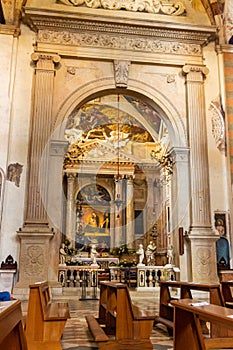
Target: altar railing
140,277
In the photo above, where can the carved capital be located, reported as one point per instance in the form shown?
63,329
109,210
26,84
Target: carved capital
45,60
121,70
194,72
71,177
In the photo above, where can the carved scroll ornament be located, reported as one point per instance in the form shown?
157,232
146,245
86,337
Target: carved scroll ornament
166,7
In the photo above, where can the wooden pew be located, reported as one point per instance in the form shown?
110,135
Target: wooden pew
185,291
227,292
120,325
12,335
45,319
187,329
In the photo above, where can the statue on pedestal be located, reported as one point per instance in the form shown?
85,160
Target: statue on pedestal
63,254
150,253
141,254
93,254
170,255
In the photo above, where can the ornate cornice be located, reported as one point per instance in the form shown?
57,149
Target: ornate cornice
67,28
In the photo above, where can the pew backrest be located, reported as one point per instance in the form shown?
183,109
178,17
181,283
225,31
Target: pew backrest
12,335
187,328
45,319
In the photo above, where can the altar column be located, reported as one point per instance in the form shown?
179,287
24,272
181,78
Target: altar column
70,210
118,210
202,237
129,212
34,260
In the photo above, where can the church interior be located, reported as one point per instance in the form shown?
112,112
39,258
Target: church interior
116,164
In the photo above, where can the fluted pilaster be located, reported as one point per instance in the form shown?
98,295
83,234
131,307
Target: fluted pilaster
35,236
202,238
200,195
40,133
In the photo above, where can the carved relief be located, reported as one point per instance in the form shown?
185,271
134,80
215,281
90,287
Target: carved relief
121,70
228,20
169,7
203,263
71,70
123,42
171,78
34,261
14,172
218,124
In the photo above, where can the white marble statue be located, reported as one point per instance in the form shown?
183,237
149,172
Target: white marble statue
141,254
93,254
170,255
150,253
62,254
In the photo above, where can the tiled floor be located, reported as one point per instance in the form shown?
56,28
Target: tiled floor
76,335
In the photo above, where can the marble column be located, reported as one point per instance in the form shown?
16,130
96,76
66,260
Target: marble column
129,212
202,237
35,234
70,210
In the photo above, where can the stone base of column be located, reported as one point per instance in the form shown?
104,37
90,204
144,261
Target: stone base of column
203,258
34,259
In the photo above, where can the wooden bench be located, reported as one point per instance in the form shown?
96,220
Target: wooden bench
227,292
187,329
185,291
12,335
120,324
45,319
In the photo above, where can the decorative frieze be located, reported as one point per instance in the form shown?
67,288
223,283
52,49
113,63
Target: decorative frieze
169,7
120,42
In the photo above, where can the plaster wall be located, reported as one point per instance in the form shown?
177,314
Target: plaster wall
15,97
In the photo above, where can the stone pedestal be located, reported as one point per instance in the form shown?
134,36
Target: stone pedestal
34,258
204,258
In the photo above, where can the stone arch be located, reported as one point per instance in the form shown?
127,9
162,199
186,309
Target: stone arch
146,92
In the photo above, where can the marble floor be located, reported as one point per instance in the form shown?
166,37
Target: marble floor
76,335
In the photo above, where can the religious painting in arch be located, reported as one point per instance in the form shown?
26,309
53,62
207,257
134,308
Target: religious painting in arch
222,244
93,216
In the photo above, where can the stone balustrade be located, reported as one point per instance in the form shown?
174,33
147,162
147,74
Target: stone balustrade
141,277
